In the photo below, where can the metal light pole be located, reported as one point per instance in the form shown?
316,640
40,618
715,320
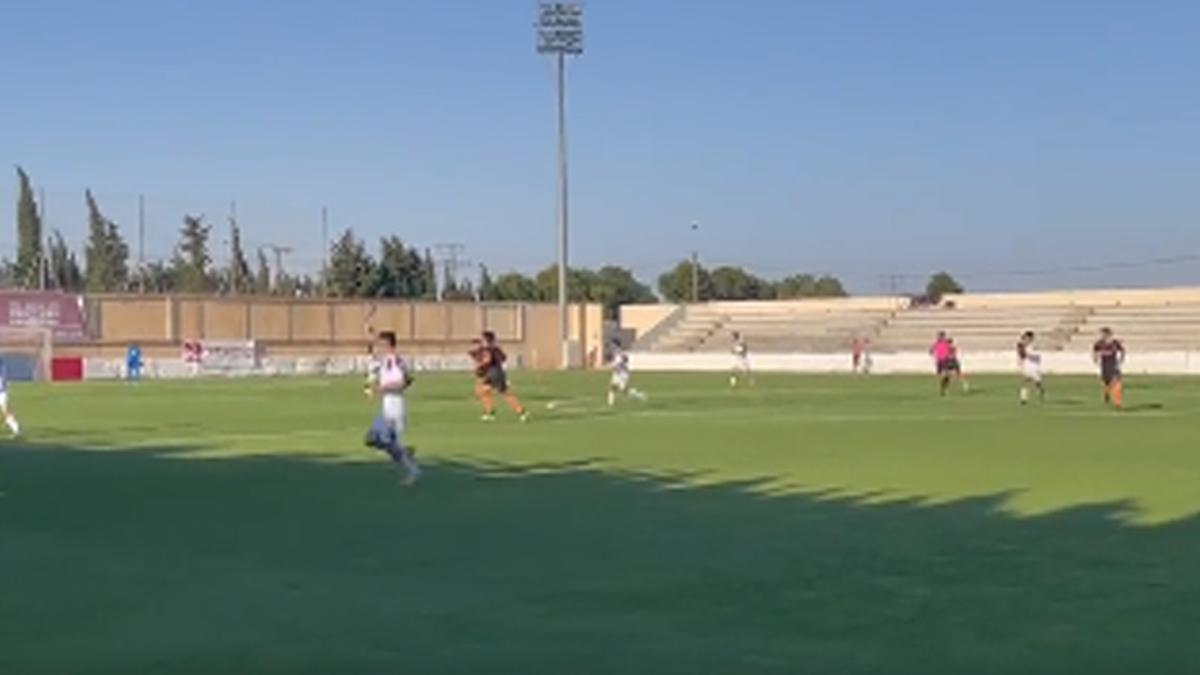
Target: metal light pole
324,250
560,33
695,263
234,273
141,233
43,237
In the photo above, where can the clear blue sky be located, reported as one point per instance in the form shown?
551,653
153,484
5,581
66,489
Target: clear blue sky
843,136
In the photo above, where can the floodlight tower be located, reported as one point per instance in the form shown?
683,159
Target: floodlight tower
560,34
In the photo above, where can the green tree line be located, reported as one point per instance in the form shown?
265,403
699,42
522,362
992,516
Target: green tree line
683,282
394,270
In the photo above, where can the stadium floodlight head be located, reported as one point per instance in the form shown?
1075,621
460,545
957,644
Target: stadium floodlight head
560,28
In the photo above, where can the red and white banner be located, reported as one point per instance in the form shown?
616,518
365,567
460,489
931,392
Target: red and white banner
61,313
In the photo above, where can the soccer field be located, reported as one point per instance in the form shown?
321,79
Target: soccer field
809,524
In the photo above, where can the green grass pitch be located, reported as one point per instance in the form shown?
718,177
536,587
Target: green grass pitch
807,525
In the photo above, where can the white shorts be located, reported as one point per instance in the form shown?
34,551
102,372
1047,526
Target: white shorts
395,413
741,364
620,380
1032,370
4,400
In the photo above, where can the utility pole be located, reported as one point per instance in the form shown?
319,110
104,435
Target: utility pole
893,282
560,34
234,272
695,263
141,233
279,252
324,250
43,271
451,255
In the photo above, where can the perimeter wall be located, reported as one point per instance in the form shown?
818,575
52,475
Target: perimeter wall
324,328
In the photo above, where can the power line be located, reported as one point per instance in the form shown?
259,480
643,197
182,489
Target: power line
325,250
141,233
451,255
279,252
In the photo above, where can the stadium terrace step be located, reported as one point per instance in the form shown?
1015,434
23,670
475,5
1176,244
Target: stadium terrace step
1070,323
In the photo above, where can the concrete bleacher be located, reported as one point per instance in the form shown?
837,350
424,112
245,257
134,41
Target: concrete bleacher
1144,328
815,326
986,326
980,328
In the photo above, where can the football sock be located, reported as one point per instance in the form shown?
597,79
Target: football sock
12,423
409,462
515,404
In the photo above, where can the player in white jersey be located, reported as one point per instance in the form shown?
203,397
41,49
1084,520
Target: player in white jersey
9,418
1030,362
619,383
391,379
741,361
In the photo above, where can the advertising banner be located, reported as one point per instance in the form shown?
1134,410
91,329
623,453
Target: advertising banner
62,313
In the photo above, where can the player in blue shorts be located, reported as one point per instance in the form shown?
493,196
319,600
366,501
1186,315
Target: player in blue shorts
392,378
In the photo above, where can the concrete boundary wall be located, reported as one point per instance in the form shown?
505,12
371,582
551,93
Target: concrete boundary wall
1004,362
330,328
114,368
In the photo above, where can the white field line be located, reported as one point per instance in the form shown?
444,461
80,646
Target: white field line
802,416
594,410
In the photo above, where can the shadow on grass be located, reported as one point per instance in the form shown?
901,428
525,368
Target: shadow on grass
147,561
1144,407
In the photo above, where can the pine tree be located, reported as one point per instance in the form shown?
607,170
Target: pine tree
29,235
262,276
396,276
106,255
8,273
157,277
351,269
455,290
64,267
421,288
240,280
191,257
118,252
487,288
429,282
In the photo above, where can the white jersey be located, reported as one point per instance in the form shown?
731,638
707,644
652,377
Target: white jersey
1030,360
391,374
620,363
620,370
741,356
740,349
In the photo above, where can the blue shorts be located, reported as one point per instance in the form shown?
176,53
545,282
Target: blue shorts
381,435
